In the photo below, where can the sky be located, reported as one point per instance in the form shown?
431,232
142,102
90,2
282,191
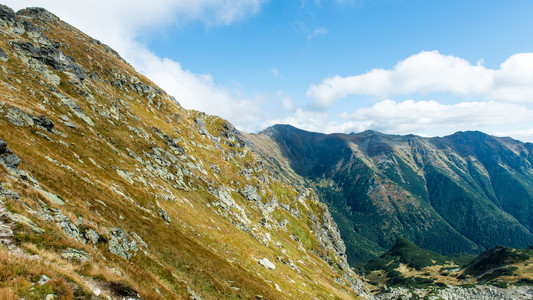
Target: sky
396,66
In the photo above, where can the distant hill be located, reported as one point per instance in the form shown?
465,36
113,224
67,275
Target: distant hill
407,265
461,193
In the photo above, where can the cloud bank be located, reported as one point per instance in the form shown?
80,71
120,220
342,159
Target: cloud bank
430,72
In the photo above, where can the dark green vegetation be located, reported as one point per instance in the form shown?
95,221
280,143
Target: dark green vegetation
413,258
496,262
408,265
406,252
457,194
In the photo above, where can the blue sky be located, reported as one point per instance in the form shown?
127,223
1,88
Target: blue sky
397,66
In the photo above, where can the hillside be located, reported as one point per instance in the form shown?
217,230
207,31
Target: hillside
409,271
457,194
109,188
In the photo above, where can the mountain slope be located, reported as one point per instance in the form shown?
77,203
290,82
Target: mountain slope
460,193
409,271
109,188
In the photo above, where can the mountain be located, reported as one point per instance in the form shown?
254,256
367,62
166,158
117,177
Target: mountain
461,193
110,189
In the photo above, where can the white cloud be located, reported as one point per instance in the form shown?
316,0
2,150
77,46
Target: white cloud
119,23
318,32
195,91
521,135
426,118
304,119
429,72
419,116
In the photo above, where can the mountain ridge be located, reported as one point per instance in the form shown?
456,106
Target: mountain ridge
400,181
110,189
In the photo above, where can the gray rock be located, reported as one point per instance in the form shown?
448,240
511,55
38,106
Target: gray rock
3,55
9,194
7,15
249,192
39,14
43,280
164,215
215,168
121,244
91,236
295,212
51,56
76,109
200,124
3,146
75,254
265,262
193,294
18,117
139,240
53,198
25,221
11,160
231,136
173,144
44,122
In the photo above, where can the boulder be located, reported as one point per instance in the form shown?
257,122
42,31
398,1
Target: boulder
164,215
44,122
265,262
249,192
121,244
18,117
75,254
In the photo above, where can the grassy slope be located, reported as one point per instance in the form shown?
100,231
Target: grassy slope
199,249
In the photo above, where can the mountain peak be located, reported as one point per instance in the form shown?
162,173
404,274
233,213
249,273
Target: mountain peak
38,13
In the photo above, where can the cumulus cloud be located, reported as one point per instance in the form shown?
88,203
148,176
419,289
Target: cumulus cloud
417,116
522,135
119,23
429,72
420,117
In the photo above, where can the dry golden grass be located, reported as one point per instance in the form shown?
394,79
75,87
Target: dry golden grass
199,248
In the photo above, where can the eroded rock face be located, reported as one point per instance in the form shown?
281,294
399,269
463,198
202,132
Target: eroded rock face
122,244
249,192
51,56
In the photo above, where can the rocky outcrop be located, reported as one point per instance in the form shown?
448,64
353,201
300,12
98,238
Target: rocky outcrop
51,56
121,244
9,159
480,292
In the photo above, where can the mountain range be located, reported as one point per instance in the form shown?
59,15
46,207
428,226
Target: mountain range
461,193
110,189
